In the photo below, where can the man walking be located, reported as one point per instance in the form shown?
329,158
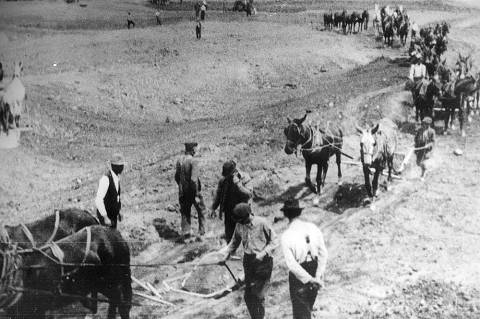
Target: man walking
108,201
230,192
306,258
259,242
189,187
157,16
424,143
198,30
130,21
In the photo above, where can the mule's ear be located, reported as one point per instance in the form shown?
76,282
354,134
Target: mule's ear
375,129
359,129
303,118
289,120
321,131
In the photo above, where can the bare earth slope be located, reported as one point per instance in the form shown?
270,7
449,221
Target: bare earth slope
146,91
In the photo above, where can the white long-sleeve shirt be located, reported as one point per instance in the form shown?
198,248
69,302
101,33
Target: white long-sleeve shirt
295,248
102,191
417,70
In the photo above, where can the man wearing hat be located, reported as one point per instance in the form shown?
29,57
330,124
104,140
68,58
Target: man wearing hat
306,257
424,143
230,192
189,187
107,200
259,242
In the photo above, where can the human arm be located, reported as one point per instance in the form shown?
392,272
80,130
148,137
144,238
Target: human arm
177,172
272,242
410,76
233,244
101,192
216,200
292,264
244,193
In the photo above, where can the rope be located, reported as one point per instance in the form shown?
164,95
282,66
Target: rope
9,276
55,229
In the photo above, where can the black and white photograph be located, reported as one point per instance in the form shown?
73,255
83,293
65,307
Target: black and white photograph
224,159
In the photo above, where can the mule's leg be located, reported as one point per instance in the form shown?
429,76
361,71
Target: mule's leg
320,168
338,157
366,174
17,121
308,181
390,168
376,175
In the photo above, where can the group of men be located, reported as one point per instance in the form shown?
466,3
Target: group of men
302,243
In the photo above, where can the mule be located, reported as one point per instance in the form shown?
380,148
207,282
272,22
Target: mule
355,19
62,223
403,30
388,31
95,259
317,146
424,102
377,149
5,115
14,95
328,21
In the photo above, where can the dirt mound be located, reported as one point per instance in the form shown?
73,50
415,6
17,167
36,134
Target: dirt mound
208,279
140,237
429,299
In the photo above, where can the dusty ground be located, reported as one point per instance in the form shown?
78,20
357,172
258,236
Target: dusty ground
95,88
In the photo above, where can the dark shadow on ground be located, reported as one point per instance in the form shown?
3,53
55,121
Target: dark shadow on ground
292,191
348,195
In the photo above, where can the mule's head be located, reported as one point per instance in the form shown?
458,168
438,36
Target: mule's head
368,144
295,133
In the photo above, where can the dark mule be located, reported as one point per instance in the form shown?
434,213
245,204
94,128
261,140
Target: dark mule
317,146
328,21
426,99
388,31
61,224
5,115
338,19
54,277
403,30
377,148
355,19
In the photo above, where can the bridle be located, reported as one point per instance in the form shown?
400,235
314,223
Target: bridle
305,135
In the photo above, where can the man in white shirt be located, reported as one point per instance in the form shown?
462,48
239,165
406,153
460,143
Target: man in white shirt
306,257
108,194
418,71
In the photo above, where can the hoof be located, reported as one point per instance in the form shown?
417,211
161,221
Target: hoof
463,134
340,182
469,119
453,127
316,201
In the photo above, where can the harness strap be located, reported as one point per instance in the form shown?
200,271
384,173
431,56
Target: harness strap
28,233
55,229
88,244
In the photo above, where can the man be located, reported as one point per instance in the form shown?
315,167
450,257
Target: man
157,16
203,10
189,187
424,143
198,30
259,242
306,258
1,72
130,21
417,76
108,201
230,192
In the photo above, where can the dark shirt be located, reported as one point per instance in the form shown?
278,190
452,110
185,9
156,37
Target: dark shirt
229,194
187,176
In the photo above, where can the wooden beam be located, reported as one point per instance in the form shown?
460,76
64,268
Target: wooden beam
156,299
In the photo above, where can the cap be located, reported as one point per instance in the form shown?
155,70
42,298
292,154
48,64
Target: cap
241,212
117,159
190,146
228,168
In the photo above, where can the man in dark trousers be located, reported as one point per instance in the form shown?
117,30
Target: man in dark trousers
130,21
259,242
1,72
424,143
189,187
108,194
198,30
230,192
306,257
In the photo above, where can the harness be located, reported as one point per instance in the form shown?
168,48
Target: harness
315,138
10,277
29,234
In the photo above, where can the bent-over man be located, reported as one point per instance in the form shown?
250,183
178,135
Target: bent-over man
306,257
259,242
424,143
108,201
189,190
230,192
